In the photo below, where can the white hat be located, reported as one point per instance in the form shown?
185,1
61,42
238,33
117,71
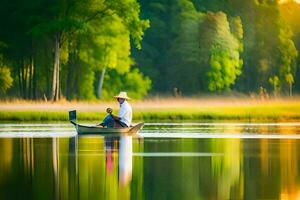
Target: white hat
122,95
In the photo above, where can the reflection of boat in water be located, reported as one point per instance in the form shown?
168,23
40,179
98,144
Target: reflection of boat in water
83,129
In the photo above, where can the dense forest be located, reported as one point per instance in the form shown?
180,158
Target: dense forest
90,49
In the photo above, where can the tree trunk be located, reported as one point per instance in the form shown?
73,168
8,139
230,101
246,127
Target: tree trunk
24,78
48,70
34,82
100,83
69,79
33,72
29,89
55,80
20,80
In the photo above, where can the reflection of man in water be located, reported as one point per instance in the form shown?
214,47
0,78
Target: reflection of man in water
125,160
111,143
123,146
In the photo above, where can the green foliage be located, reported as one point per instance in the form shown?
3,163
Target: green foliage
275,82
236,28
86,81
6,80
129,10
223,70
257,39
289,79
222,48
90,34
184,57
184,69
136,85
195,46
287,59
107,45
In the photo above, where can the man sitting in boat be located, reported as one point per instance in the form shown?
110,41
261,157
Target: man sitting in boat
124,117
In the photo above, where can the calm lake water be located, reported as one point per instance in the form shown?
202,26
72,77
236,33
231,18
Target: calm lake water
169,161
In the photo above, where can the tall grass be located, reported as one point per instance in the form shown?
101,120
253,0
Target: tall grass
158,109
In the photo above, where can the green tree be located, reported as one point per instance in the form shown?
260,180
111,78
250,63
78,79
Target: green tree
289,78
154,59
290,13
68,18
132,81
19,47
266,41
275,82
110,44
287,59
6,80
222,49
183,67
181,57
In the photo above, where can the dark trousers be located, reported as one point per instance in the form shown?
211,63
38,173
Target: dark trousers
110,122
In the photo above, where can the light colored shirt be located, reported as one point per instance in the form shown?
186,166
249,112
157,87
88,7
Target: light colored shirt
125,113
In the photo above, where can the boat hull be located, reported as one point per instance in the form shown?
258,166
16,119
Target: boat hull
87,130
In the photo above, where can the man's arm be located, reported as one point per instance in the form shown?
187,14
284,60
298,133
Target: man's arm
115,117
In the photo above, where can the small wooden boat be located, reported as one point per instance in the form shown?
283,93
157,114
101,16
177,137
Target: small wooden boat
83,129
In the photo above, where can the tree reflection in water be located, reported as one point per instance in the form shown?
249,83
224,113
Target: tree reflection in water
95,167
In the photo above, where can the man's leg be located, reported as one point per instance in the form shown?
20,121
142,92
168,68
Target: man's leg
108,121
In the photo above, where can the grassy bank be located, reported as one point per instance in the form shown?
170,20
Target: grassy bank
158,110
